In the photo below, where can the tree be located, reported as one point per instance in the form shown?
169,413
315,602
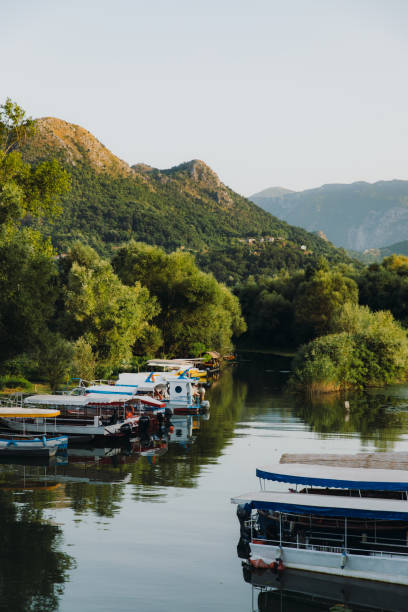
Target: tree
319,298
84,362
385,286
25,189
367,349
15,127
27,270
194,306
55,359
109,316
28,291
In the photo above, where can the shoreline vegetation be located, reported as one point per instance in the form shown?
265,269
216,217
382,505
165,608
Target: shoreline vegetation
81,313
366,350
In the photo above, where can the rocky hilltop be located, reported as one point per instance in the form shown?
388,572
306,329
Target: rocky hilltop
186,206
74,144
358,216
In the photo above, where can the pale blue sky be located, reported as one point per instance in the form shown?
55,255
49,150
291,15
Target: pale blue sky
281,92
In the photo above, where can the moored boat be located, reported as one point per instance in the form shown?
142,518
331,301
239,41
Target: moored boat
179,392
23,445
91,415
347,522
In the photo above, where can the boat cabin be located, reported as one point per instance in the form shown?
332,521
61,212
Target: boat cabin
351,522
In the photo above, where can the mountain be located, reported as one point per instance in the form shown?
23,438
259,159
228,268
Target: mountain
377,255
186,206
358,216
272,192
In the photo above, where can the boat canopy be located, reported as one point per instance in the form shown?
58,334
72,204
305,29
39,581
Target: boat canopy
336,477
150,401
326,505
76,400
171,363
28,413
111,389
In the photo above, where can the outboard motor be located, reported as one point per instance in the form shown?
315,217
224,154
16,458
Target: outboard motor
168,413
244,514
126,429
144,424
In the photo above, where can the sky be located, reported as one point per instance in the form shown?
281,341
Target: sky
295,93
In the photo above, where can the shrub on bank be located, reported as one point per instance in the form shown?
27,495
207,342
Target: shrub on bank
369,349
15,382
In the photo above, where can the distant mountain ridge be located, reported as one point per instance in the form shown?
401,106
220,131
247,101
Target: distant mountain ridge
272,192
186,206
357,216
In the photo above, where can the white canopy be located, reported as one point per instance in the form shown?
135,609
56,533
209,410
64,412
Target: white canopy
150,401
75,400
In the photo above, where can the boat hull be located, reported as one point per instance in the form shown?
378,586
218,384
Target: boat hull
388,568
68,428
33,443
28,453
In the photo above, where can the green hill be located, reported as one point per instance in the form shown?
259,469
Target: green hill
358,216
186,206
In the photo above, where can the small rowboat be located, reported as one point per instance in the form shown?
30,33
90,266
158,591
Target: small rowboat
18,445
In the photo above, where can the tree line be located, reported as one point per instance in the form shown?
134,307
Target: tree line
347,324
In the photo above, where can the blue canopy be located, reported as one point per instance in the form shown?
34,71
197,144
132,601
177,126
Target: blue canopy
327,505
340,478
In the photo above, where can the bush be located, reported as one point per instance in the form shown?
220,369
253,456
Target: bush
15,382
370,349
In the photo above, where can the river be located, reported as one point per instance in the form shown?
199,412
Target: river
155,531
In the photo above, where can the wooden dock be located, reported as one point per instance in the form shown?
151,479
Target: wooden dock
377,460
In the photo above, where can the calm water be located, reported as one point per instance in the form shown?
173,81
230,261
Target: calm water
155,530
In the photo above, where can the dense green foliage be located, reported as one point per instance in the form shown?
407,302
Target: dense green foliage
367,349
194,306
27,292
25,189
234,264
288,309
107,314
385,287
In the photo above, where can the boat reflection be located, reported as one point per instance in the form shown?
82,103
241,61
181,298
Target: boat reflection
300,591
186,429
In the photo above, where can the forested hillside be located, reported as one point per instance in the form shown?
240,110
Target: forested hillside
184,207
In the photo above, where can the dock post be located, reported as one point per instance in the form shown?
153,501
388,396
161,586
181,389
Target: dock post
280,529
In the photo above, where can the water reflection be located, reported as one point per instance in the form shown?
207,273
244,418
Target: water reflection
32,569
379,417
297,591
250,413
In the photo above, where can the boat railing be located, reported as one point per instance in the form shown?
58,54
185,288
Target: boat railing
324,548
81,383
15,400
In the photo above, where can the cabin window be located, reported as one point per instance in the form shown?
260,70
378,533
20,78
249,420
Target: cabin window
178,389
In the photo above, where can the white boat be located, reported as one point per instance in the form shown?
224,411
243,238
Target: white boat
177,367
178,392
90,415
42,445
350,522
